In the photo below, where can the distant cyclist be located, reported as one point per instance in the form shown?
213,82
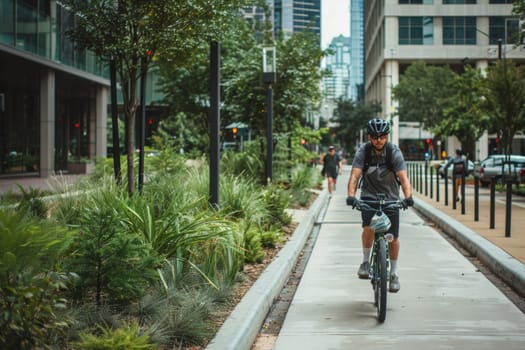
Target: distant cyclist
379,177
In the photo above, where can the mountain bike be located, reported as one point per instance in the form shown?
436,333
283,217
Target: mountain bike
379,259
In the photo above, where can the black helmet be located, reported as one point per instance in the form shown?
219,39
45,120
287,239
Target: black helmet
377,126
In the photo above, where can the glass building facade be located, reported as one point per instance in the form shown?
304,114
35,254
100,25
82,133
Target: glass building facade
53,96
295,16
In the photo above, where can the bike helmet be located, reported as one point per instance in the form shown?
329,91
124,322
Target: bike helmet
377,126
380,223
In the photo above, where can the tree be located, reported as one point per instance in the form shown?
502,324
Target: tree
465,117
504,100
136,32
518,8
423,92
242,90
351,117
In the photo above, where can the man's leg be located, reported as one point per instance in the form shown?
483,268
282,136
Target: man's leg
367,240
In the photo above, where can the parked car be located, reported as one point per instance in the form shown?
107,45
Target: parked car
442,165
494,166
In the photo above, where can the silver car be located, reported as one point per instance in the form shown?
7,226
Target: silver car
495,166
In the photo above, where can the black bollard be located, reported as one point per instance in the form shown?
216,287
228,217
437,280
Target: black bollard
463,194
476,198
508,207
492,201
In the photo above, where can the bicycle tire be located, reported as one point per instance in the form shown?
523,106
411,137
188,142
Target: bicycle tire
381,284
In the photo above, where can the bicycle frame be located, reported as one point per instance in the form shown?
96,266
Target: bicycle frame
379,258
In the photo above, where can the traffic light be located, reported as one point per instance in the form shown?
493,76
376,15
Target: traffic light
303,142
234,132
150,121
429,141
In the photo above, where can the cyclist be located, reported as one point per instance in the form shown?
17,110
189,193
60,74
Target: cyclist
379,177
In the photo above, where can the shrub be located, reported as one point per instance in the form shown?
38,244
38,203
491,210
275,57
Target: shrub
114,264
129,338
29,292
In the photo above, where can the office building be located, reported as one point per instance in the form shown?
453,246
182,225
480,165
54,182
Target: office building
400,32
53,96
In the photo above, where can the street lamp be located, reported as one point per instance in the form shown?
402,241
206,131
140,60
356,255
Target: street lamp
269,68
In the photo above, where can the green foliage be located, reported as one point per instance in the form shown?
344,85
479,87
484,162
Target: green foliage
32,202
303,179
505,98
271,238
277,199
29,293
178,309
351,117
423,92
464,117
128,338
253,246
114,264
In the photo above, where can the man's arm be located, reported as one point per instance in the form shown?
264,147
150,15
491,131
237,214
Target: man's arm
405,183
355,174
340,166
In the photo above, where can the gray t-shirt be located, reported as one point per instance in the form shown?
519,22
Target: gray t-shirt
378,178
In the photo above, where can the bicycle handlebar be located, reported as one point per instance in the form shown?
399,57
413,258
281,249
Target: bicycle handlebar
384,205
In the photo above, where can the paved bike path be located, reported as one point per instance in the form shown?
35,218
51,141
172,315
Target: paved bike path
444,302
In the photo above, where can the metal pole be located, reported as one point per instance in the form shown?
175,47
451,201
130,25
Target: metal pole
508,207
492,201
446,187
476,198
426,178
437,186
114,120
142,124
463,194
431,182
269,135
214,120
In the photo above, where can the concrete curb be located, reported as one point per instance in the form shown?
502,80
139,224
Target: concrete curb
243,325
511,270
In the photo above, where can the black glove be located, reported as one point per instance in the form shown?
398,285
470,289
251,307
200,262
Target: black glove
407,202
352,201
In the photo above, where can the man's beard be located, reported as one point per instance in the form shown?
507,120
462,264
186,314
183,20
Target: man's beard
379,149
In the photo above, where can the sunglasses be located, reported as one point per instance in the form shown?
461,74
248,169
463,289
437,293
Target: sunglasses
379,137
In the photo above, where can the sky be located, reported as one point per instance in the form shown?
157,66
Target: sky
335,20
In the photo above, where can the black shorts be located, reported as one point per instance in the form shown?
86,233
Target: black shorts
393,215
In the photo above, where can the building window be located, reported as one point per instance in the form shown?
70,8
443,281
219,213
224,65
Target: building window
501,1
462,2
505,29
416,2
416,31
459,30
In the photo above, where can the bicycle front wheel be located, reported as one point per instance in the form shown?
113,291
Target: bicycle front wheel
381,283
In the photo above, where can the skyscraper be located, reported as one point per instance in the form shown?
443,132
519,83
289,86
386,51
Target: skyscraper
295,16
337,84
357,50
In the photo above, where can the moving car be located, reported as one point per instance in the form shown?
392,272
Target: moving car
495,166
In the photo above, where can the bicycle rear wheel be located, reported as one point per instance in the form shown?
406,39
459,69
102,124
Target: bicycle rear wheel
381,282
